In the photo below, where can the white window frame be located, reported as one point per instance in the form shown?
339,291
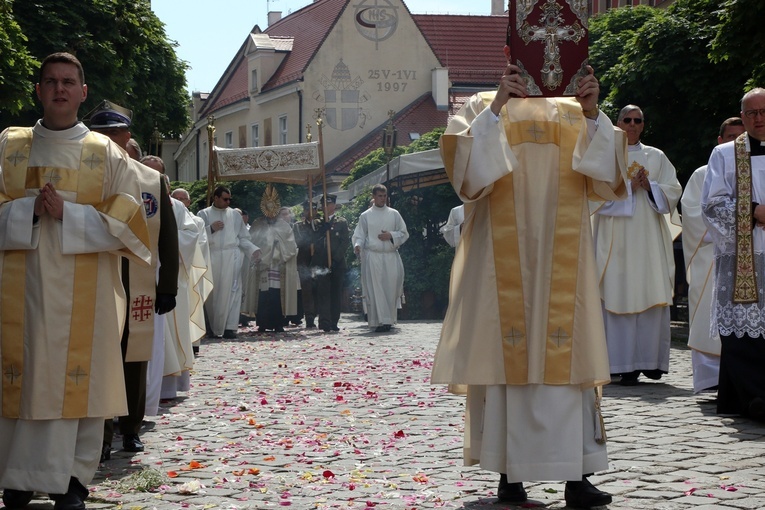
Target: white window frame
229,138
283,130
255,135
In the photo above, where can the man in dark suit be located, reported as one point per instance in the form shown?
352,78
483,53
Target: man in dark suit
329,260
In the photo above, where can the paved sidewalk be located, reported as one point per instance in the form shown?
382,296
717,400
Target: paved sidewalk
349,420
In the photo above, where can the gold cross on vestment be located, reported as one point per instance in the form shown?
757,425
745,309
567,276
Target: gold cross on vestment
535,132
52,177
77,373
569,118
12,374
16,157
551,32
515,337
92,161
560,337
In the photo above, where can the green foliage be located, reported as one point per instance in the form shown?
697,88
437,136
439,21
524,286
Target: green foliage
741,38
125,53
664,67
245,195
16,65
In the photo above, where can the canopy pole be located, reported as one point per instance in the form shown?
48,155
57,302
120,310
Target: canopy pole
210,156
320,123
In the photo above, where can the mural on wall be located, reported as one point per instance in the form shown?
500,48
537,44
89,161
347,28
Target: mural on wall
342,98
376,20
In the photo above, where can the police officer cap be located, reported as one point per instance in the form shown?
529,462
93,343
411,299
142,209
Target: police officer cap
109,115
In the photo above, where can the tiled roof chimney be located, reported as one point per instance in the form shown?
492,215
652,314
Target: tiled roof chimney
273,17
497,7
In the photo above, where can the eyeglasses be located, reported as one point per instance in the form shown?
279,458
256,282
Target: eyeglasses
629,120
754,113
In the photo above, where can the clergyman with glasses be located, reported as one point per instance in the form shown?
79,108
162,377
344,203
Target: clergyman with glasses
636,265
229,242
733,207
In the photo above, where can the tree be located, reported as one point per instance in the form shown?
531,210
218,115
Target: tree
741,39
125,53
665,69
16,65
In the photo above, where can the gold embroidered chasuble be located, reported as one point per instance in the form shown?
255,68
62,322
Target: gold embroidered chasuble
62,303
524,303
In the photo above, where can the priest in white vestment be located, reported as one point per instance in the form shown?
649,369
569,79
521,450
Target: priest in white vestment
453,227
523,334
733,207
636,263
229,242
698,251
70,205
376,239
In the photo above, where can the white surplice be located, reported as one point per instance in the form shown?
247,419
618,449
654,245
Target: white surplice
699,251
636,264
382,272
228,246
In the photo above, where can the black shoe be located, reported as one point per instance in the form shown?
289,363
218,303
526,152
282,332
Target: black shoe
132,443
510,492
585,495
74,499
630,378
757,409
310,325
380,329
654,375
106,452
335,328
16,499
279,329
229,333
195,349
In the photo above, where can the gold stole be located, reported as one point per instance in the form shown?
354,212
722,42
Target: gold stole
142,278
745,279
87,182
572,188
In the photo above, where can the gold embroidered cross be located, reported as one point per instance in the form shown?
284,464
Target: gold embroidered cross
52,177
535,132
93,161
77,373
515,337
16,157
12,374
569,118
560,337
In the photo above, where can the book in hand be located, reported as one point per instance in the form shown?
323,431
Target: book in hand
548,41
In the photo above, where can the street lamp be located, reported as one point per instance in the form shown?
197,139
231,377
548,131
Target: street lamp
389,145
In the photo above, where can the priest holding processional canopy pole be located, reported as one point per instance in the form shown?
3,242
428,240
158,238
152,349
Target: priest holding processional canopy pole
523,336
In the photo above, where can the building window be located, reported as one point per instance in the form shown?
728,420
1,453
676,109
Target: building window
254,81
229,139
255,135
283,130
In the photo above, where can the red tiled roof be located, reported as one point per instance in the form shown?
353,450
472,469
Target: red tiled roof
470,46
309,26
235,89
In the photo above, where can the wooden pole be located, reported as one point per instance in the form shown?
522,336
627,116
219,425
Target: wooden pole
210,156
319,123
